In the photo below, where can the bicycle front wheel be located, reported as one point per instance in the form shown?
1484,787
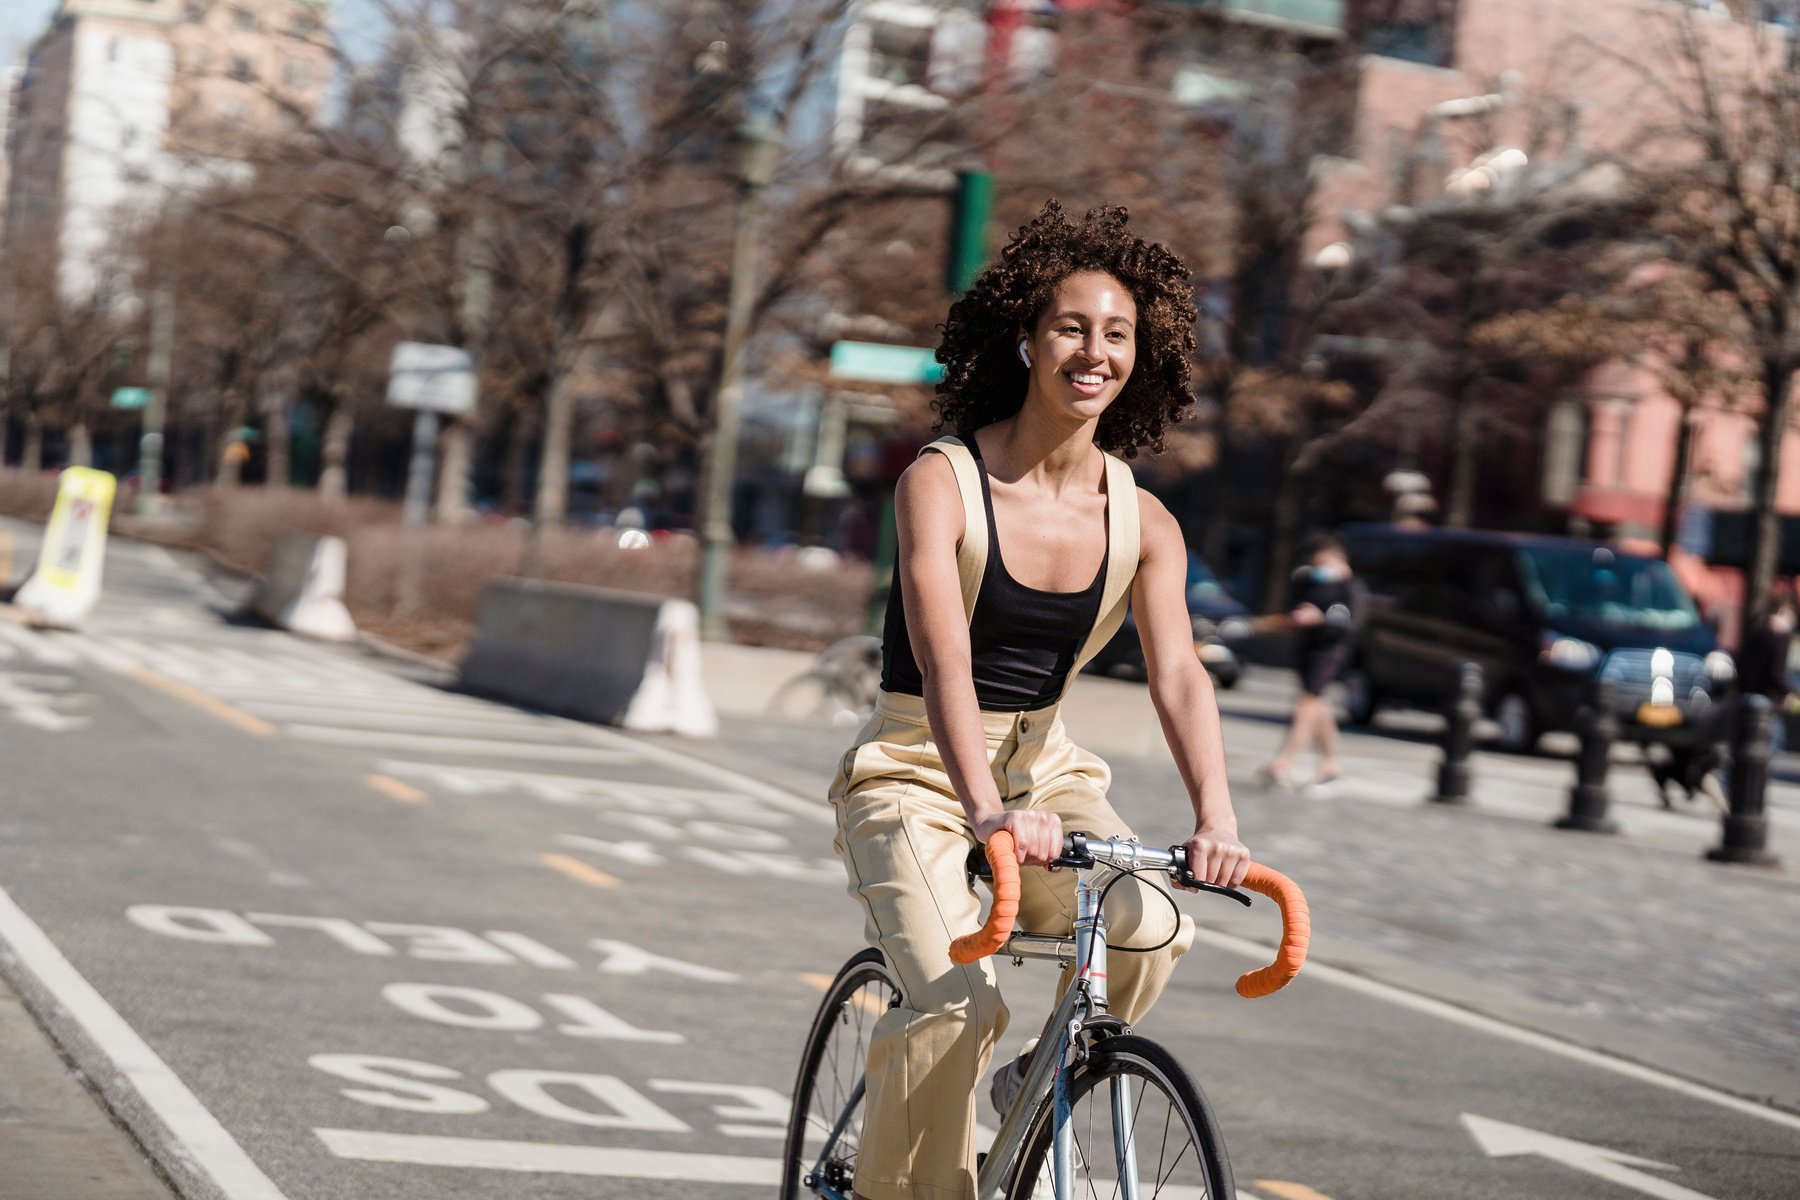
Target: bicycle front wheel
825,1128
1138,1117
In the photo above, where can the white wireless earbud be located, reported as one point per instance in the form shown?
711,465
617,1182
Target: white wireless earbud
1024,354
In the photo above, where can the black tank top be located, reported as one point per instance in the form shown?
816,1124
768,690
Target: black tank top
1022,641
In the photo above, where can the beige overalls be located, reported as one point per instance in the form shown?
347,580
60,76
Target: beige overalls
904,839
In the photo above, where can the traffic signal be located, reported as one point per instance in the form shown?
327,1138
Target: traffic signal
970,207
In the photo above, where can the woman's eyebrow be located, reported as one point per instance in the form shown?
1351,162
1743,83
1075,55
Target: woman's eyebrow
1071,314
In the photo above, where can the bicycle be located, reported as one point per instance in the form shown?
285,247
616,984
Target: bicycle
1045,1147
839,687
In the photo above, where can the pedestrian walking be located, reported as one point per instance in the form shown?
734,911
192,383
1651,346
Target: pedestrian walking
1021,537
1326,609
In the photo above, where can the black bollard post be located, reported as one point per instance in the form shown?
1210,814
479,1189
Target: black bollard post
1746,835
1459,736
1598,727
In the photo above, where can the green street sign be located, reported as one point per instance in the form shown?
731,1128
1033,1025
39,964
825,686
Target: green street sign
873,362
131,397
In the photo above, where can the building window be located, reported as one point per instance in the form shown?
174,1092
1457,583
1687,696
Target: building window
240,69
202,61
244,19
1427,42
193,13
305,25
234,110
296,74
899,54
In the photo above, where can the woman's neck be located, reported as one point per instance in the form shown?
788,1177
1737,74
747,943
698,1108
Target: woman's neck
1046,454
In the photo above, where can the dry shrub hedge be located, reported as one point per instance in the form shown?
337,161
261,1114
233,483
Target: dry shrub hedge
772,598
28,495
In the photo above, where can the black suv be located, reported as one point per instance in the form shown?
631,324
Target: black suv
1546,618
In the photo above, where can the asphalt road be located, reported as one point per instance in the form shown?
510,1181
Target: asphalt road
317,928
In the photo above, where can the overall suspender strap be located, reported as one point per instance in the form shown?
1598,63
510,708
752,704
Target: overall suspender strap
972,551
1121,563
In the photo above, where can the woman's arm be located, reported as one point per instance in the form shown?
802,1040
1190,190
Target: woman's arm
1183,694
929,519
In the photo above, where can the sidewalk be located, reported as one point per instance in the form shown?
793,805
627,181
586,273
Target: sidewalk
1631,944
1395,766
55,1139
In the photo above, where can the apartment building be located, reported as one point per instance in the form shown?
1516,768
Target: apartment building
121,100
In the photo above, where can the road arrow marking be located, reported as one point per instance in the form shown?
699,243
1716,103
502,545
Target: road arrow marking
1500,1140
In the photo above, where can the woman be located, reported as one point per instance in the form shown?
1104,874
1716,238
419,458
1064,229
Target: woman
1327,611
1021,540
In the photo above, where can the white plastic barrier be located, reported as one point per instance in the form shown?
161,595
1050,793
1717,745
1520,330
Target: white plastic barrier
303,590
66,584
614,657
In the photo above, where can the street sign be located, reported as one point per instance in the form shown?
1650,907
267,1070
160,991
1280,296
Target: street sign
131,397
873,362
431,378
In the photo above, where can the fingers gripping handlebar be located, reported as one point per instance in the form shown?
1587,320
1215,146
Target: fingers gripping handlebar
1296,921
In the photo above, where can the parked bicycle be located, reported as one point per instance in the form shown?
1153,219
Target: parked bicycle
839,687
1102,1111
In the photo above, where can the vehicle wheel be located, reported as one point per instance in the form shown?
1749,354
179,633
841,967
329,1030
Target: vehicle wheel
1360,700
1174,1146
825,1128
1518,724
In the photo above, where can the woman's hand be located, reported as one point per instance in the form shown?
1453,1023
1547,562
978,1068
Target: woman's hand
1038,836
1218,858
1306,614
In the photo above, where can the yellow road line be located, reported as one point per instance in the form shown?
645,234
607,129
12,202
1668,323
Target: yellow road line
392,788
1283,1190
577,870
203,702
862,999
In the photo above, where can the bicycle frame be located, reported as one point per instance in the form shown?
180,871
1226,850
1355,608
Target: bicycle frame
1084,999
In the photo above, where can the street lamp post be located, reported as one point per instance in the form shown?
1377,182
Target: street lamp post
150,442
761,145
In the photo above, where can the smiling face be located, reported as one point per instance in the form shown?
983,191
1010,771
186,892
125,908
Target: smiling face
1084,344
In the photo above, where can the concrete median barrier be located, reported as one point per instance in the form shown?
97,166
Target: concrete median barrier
303,589
614,657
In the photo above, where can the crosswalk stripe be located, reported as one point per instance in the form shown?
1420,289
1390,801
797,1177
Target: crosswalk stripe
603,1161
39,646
379,718
468,747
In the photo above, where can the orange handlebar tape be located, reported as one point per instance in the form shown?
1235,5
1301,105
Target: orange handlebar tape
1296,932
1003,856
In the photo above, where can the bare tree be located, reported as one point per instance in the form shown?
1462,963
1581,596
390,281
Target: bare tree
1733,213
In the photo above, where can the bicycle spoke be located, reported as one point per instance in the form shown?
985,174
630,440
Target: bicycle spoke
1120,1152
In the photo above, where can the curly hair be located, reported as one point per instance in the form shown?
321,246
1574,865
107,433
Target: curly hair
984,380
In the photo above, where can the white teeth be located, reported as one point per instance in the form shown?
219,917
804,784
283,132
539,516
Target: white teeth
1086,378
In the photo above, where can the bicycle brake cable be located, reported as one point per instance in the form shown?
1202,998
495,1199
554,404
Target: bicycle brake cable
1135,871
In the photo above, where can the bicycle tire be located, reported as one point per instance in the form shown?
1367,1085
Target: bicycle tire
1153,1067
844,1008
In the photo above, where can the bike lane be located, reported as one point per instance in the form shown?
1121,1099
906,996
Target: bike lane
291,980
489,973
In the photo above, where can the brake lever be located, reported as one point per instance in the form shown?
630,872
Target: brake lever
1187,878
